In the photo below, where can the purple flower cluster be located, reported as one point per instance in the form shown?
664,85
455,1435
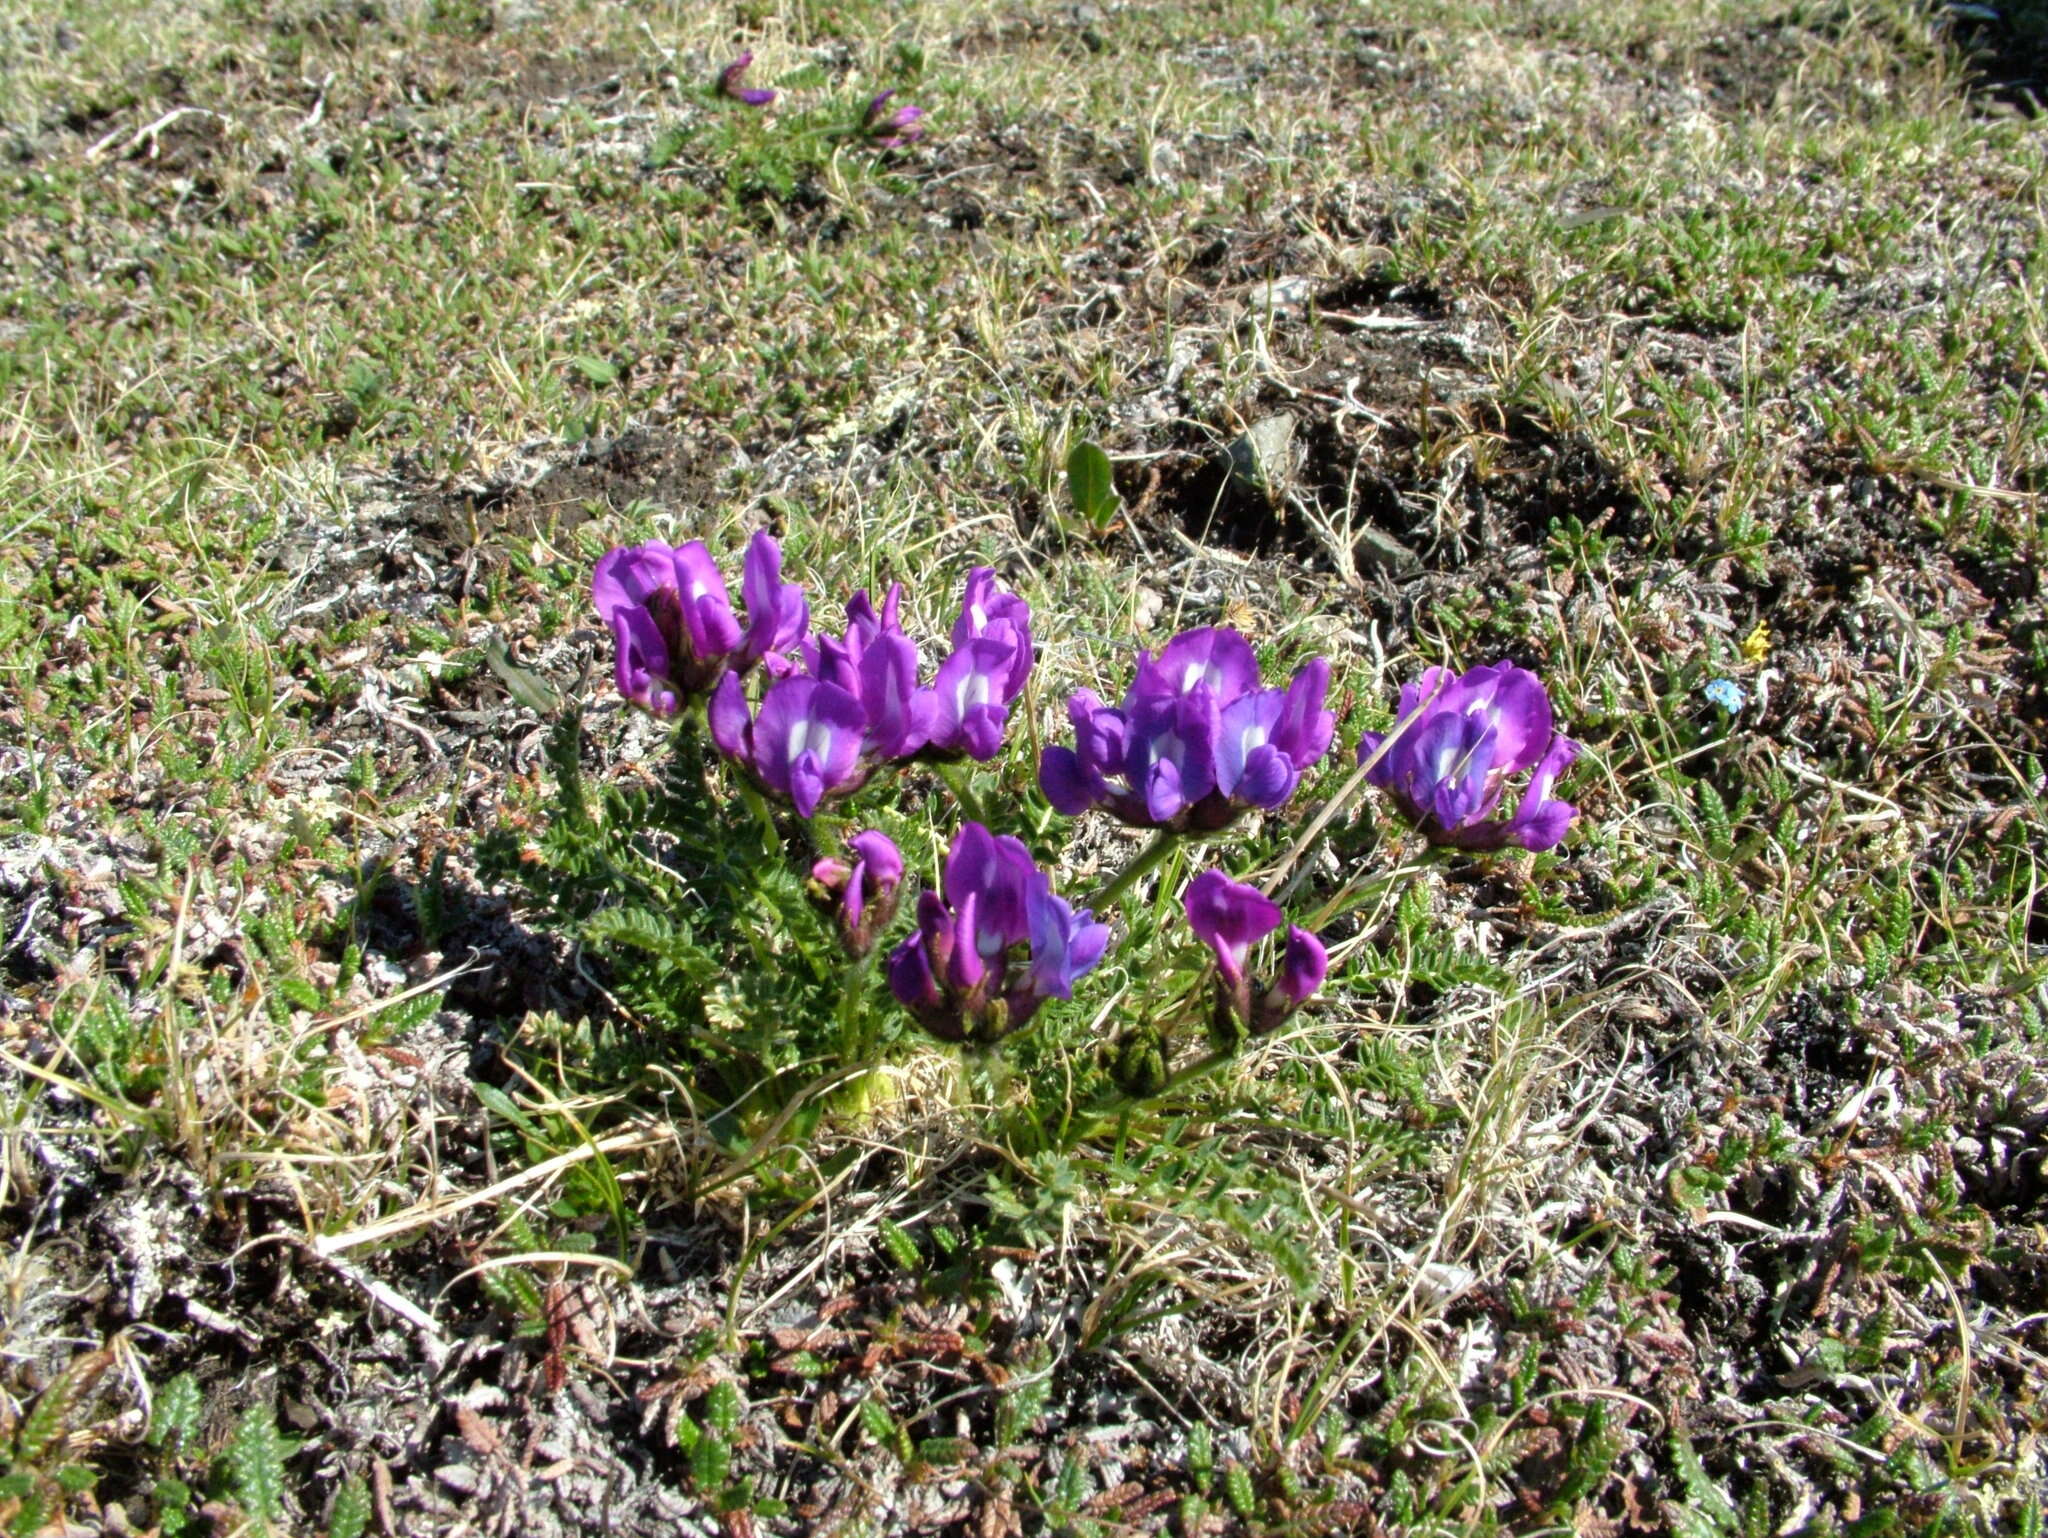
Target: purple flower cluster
1463,738
837,704
729,83
853,700
891,128
1196,741
993,944
861,895
670,613
1230,918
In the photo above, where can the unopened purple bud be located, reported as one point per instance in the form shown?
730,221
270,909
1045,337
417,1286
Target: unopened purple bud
1303,967
891,129
864,893
729,83
777,615
884,861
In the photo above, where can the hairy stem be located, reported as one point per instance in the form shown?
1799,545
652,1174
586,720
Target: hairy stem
1116,1109
959,779
771,838
1144,864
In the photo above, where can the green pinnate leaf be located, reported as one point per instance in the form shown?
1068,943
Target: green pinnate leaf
722,1407
710,1462
1237,1489
255,1465
76,1479
877,1422
173,1499
50,1417
902,1249
1707,1512
350,1517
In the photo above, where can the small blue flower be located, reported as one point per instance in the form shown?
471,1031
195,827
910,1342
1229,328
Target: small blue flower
1726,693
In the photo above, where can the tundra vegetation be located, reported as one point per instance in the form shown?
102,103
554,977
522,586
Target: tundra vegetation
826,767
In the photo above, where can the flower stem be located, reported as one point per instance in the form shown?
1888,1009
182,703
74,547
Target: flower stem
1200,1068
1146,861
855,1017
1118,1107
959,779
771,839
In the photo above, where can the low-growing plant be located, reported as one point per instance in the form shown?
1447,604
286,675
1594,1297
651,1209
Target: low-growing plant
841,852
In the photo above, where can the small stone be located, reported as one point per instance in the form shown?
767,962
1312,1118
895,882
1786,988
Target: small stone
1145,609
459,1477
1374,549
1281,294
1264,459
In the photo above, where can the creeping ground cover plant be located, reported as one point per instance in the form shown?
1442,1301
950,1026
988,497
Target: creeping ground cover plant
857,838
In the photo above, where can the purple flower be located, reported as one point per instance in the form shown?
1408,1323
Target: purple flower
1171,757
864,893
971,710
672,619
1064,944
729,83
891,129
900,715
874,665
1231,918
1196,741
805,743
987,611
966,708
1303,966
864,626
998,943
1216,659
1464,738
877,664
992,656
777,615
